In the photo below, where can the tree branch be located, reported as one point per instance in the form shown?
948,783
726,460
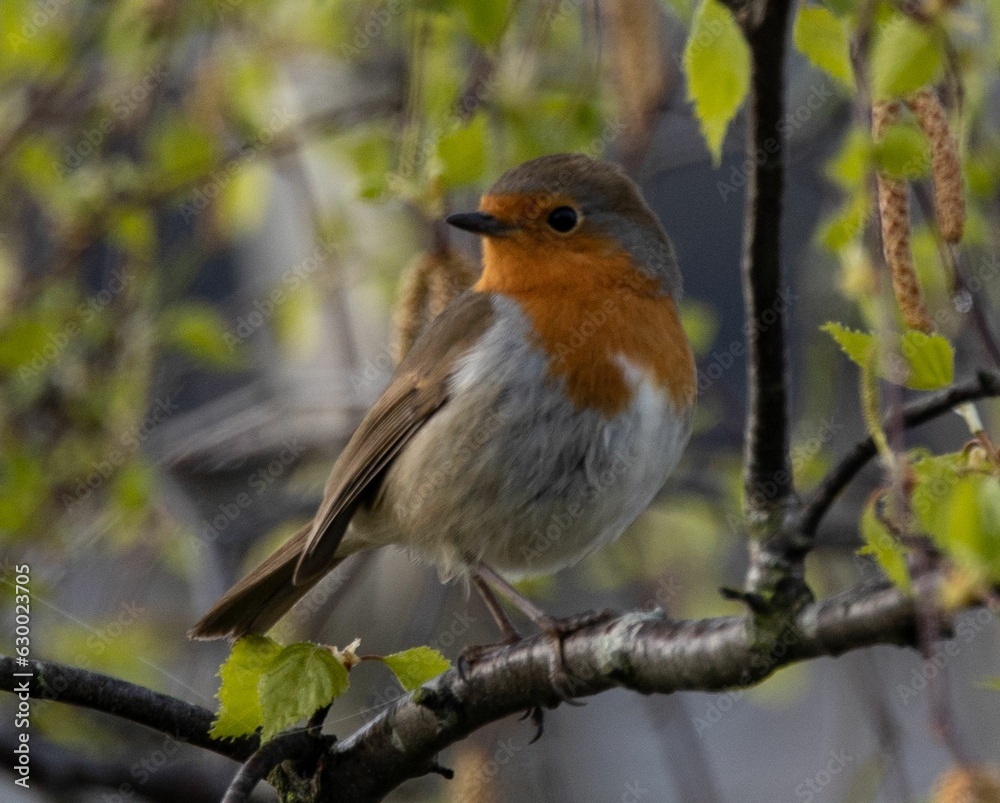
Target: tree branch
296,744
767,472
638,650
983,385
67,684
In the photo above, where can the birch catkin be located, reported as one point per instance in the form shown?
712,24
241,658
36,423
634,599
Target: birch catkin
946,169
894,209
430,283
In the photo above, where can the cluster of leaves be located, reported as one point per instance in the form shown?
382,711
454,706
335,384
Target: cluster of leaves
271,687
954,499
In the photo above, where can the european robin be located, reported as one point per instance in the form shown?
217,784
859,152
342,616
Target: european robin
531,422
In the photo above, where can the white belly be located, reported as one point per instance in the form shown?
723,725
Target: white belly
509,473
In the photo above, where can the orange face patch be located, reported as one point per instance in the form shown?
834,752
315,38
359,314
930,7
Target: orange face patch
588,305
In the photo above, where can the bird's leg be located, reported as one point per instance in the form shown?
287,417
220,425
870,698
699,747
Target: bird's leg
507,629
544,622
553,628
510,635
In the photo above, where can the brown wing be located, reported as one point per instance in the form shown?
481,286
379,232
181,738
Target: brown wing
419,389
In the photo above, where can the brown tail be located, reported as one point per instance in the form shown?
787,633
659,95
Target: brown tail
262,597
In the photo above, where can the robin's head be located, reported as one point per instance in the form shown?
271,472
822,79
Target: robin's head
565,213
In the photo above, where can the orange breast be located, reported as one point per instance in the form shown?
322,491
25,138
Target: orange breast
588,305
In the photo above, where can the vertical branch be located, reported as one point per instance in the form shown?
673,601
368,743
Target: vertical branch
767,476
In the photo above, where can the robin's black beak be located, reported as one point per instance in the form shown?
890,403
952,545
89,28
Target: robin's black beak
479,223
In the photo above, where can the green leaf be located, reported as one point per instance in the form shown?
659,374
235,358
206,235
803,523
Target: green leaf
907,56
200,331
134,230
23,485
243,200
486,21
413,668
859,346
887,551
959,508
846,224
849,168
971,531
824,39
462,153
239,704
930,359
24,340
962,535
935,478
370,151
717,63
181,150
903,152
300,681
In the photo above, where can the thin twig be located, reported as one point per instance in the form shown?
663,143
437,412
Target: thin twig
297,744
68,684
985,384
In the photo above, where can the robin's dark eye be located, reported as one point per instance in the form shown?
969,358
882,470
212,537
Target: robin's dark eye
563,219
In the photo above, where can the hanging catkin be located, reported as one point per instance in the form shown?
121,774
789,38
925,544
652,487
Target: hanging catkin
429,284
946,169
894,209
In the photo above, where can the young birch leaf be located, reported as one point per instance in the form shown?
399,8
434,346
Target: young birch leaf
462,153
198,330
887,551
822,37
935,477
907,56
903,152
970,529
486,21
239,706
930,358
300,681
413,668
717,64
962,535
859,346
